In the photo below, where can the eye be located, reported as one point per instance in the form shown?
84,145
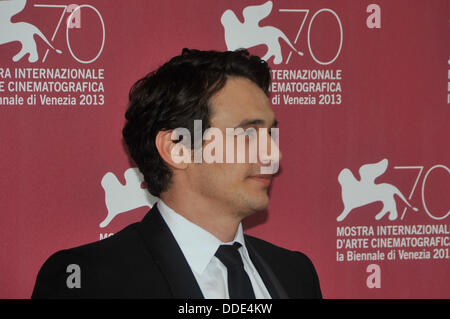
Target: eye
274,132
250,131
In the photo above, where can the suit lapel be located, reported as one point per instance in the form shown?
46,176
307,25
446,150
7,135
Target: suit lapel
168,256
271,282
173,265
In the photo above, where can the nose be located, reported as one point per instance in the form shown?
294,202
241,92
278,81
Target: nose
269,151
277,146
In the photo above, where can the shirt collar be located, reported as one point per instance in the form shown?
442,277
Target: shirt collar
197,244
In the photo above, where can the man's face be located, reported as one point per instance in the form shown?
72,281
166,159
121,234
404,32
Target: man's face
239,186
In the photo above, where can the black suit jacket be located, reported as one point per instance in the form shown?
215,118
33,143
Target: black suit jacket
144,261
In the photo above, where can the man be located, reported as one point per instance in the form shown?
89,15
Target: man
191,244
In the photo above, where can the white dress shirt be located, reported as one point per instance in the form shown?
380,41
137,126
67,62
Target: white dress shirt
199,247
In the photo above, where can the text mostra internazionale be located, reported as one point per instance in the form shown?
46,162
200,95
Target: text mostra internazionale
55,74
308,81
54,80
393,230
393,236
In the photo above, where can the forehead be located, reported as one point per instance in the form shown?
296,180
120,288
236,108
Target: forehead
238,100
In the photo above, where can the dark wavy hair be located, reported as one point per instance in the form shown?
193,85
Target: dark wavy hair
175,95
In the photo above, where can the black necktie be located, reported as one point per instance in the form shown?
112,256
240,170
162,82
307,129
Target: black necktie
239,285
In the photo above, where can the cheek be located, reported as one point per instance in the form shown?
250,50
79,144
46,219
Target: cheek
220,178
237,171
227,175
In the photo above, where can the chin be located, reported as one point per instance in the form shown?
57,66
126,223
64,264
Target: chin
259,203
251,200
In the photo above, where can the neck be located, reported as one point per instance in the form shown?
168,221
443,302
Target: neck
218,220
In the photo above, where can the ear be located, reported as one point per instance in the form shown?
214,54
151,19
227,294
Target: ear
170,151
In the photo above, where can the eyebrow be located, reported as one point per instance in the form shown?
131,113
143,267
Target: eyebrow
248,122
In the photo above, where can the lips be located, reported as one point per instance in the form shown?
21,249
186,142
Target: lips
264,179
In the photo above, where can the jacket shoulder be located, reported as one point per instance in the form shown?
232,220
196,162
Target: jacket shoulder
88,266
275,251
293,268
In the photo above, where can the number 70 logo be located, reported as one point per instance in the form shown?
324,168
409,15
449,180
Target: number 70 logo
74,21
424,181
